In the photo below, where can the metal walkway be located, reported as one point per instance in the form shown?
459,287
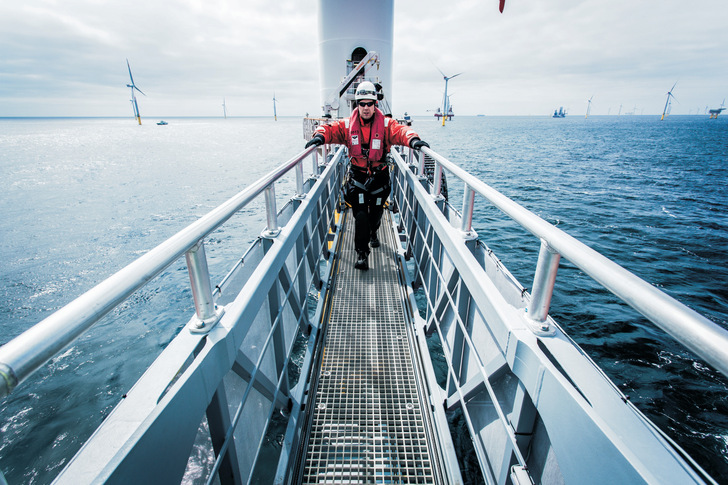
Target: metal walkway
366,422
364,404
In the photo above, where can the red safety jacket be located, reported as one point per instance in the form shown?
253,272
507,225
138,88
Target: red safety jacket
377,136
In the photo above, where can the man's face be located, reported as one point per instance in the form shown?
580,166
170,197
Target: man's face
366,108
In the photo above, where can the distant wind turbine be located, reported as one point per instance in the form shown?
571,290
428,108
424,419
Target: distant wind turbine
275,115
224,109
667,101
133,95
588,107
445,98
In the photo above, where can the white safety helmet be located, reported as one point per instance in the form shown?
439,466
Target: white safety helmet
366,90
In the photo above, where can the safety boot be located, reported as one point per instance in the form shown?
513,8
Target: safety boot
374,241
361,261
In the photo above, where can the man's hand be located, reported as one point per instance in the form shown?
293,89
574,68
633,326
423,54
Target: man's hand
318,139
417,144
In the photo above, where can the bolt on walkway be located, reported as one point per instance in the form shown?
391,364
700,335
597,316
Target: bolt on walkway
367,423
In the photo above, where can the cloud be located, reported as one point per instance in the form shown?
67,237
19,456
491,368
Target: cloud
68,58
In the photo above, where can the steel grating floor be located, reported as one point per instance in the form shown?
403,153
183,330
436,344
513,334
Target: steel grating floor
367,424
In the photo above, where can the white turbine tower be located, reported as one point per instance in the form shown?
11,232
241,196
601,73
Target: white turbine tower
588,107
133,95
445,98
668,102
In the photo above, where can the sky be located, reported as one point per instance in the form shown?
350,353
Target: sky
68,57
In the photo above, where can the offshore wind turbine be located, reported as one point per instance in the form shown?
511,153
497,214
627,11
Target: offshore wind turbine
588,107
224,109
667,101
275,115
445,98
133,95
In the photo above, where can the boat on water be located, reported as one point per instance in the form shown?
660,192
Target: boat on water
162,122
560,113
368,405
717,111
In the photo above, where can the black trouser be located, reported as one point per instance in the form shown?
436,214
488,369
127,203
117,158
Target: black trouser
366,195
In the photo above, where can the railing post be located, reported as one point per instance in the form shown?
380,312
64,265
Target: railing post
421,168
543,285
207,313
316,160
437,180
271,212
299,180
468,203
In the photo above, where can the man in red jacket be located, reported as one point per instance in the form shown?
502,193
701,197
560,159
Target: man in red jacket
368,134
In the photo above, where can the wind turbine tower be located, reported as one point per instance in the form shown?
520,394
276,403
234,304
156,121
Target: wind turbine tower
667,101
588,107
445,98
275,115
133,95
224,109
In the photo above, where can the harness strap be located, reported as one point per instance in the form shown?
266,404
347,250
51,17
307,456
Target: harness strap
373,170
363,187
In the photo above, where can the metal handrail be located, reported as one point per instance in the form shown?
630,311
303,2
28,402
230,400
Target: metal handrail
23,355
707,339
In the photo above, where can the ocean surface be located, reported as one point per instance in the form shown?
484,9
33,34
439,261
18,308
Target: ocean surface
82,198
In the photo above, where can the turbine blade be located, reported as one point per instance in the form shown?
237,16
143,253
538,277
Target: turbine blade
130,76
134,87
456,75
443,74
502,4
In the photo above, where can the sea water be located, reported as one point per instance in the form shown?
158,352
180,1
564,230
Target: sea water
82,198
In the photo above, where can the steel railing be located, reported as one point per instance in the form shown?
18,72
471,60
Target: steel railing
23,355
708,340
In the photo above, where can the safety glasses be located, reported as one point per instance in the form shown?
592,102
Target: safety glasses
366,103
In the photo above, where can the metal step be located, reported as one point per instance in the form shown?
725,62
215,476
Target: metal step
367,423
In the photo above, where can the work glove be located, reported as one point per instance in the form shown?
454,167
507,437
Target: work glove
318,139
417,144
